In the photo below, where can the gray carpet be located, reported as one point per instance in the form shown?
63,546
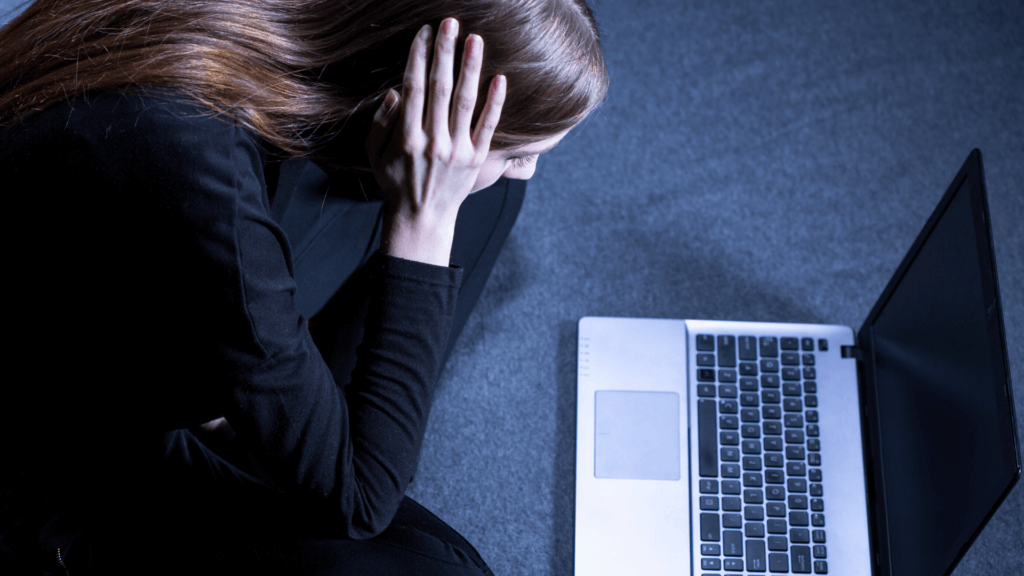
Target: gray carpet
762,160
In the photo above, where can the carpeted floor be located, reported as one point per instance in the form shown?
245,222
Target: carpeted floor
758,160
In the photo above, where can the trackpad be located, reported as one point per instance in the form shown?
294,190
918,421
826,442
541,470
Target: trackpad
636,435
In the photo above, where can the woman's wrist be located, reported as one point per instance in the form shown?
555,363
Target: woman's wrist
420,238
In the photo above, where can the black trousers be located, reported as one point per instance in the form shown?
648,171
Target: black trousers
205,507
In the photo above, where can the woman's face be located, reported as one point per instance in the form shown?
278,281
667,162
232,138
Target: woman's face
518,163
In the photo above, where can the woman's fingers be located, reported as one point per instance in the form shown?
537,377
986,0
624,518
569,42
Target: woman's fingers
383,124
414,85
465,93
490,115
441,79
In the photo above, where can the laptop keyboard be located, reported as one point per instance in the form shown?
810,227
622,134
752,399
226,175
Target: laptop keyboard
762,507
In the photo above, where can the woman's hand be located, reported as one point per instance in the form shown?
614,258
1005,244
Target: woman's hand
424,150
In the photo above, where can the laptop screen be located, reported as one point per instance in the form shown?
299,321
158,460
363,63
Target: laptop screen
944,425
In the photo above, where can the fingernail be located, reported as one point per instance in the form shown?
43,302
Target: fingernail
451,26
425,32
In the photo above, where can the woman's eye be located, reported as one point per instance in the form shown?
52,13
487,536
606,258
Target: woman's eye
523,161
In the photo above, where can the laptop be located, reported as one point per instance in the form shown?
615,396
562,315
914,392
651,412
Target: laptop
715,447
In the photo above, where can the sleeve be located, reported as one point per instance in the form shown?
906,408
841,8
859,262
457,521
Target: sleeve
349,454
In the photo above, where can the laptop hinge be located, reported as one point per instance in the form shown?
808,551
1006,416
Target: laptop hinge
851,352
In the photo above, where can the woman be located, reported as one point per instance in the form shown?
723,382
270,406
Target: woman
202,178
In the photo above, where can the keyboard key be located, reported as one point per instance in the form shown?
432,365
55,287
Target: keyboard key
752,463
730,470
794,421
795,468
755,556
731,504
794,452
791,389
814,475
807,344
812,430
707,446
800,535
773,443
816,490
705,375
807,359
811,415
732,543
822,345
727,375
774,476
810,386
729,438
705,359
798,519
775,510
797,485
753,513
810,373
709,486
798,502
772,412
709,502
789,359
730,486
817,520
770,381
811,401
789,343
750,431
726,351
819,536
814,459
778,562
790,373
706,390
820,567
819,551
748,384
773,492
774,543
801,559
794,437
729,423
732,521
732,564
729,407
710,549
710,564
750,415
752,480
753,496
792,405
709,530
774,461
776,526
772,427
748,369
705,342
747,348
727,391
754,529
769,365
771,396
751,447
769,346
749,399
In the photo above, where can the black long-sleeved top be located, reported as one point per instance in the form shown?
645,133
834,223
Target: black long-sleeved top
154,290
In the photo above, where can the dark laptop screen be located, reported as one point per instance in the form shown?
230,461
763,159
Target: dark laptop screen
941,392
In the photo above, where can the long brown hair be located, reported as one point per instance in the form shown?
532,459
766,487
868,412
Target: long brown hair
294,71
